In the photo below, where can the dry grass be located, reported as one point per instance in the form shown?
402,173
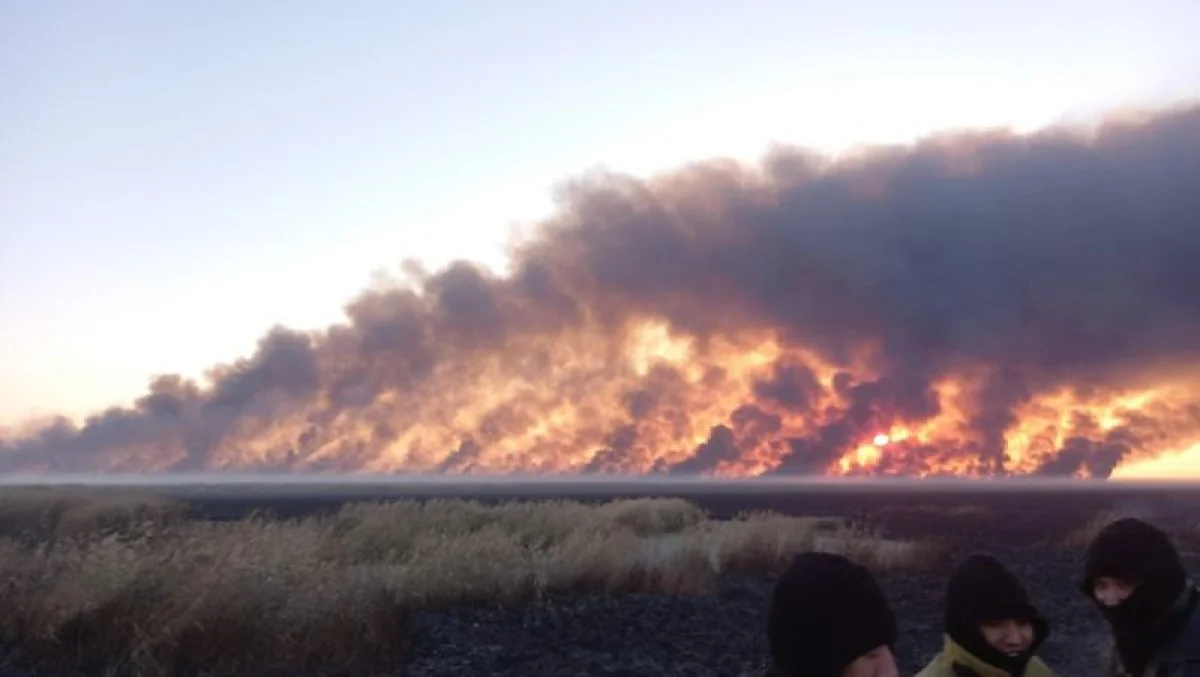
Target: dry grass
36,514
129,587
1082,536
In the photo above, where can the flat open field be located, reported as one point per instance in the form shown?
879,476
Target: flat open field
512,577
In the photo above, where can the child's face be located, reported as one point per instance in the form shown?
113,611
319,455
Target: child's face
878,662
1010,637
1111,591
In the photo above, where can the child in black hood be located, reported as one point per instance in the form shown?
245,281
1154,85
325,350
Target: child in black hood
991,627
829,618
1134,575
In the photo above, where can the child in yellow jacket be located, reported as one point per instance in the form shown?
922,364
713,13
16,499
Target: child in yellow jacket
991,629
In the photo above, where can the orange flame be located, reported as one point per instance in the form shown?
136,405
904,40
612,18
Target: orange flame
551,404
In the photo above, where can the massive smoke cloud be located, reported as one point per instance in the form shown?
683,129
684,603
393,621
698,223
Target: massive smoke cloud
976,279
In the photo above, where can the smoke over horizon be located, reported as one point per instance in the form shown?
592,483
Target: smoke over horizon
995,304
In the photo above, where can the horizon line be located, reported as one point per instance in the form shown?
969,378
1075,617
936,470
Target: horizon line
429,479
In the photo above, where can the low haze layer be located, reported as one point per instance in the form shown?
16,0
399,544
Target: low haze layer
975,304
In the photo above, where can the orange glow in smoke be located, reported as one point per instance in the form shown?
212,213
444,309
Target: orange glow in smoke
555,404
556,417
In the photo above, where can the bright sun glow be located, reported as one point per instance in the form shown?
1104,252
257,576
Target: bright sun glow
881,440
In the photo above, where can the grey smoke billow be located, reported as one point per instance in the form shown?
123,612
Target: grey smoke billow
1049,260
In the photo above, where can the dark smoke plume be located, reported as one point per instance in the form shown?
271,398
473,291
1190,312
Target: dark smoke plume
1055,262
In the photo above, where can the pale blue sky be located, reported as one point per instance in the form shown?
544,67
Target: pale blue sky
177,176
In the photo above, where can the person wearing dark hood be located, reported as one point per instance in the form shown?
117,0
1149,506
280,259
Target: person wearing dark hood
990,627
1134,575
829,618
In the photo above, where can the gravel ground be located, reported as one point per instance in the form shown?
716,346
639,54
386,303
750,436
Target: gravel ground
723,635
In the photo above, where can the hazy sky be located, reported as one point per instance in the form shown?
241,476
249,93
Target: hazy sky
177,176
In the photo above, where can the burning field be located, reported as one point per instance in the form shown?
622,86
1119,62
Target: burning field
975,304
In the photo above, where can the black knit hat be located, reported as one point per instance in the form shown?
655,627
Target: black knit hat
983,590
826,611
1135,551
1139,553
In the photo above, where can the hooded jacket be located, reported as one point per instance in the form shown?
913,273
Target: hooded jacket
825,612
1156,630
955,661
982,590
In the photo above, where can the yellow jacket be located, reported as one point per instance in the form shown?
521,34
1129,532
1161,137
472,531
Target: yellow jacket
943,664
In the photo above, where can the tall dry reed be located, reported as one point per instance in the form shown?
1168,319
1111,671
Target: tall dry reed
132,588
